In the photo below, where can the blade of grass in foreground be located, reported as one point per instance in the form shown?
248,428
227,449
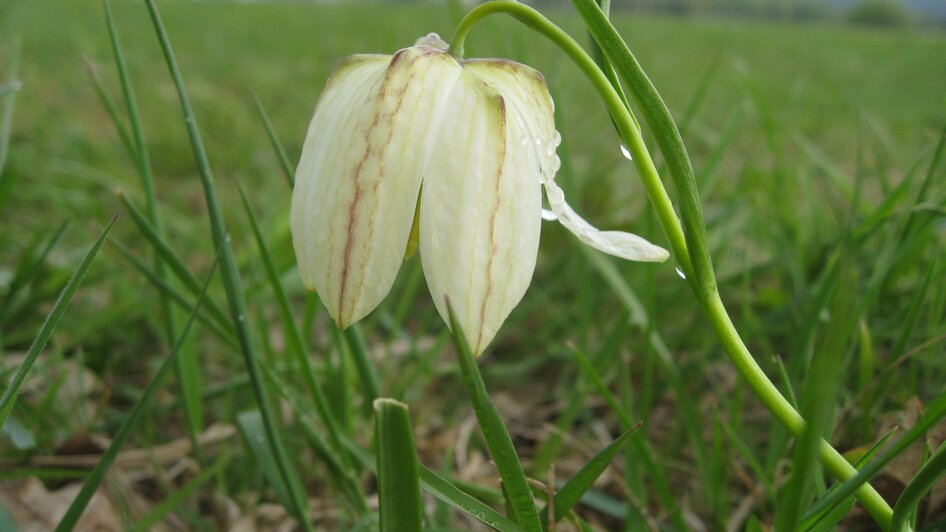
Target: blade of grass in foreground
572,491
95,477
447,492
935,411
294,338
186,365
494,432
231,276
398,479
923,482
52,320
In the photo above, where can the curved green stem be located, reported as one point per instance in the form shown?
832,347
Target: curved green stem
712,304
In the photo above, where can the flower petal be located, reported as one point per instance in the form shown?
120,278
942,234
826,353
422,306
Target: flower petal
360,173
620,244
480,212
526,88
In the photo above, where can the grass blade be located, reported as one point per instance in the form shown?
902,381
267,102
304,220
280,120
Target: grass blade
10,88
935,411
230,274
575,488
398,478
150,521
274,140
12,391
94,479
186,366
448,492
26,271
294,336
497,438
359,354
913,494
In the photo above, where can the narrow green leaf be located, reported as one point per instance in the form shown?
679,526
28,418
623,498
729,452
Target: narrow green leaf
26,271
225,334
284,163
359,354
494,431
818,398
573,490
170,258
924,481
12,391
230,275
176,499
933,413
11,87
398,478
94,479
251,426
449,492
186,366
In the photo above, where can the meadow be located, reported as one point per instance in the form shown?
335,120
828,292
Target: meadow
817,149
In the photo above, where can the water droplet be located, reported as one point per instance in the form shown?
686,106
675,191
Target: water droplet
550,149
556,164
681,274
240,317
548,215
525,140
538,141
626,152
557,138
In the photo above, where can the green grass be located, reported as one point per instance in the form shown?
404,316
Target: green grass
812,146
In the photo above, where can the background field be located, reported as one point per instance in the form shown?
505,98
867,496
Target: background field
798,133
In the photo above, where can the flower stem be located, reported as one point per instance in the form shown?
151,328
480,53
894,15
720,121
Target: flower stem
710,300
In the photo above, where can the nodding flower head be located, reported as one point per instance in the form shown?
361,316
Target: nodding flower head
458,151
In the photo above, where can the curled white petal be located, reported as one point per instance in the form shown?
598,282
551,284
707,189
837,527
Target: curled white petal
620,244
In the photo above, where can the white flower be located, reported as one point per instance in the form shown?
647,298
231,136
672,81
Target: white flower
479,135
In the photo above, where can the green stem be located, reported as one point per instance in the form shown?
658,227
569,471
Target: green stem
712,303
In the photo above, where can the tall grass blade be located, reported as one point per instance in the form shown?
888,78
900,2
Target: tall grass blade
569,495
934,412
26,271
170,258
497,438
920,485
281,156
12,390
10,88
94,479
230,275
251,426
294,338
176,499
828,517
818,398
448,492
398,478
186,366
225,334
360,356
